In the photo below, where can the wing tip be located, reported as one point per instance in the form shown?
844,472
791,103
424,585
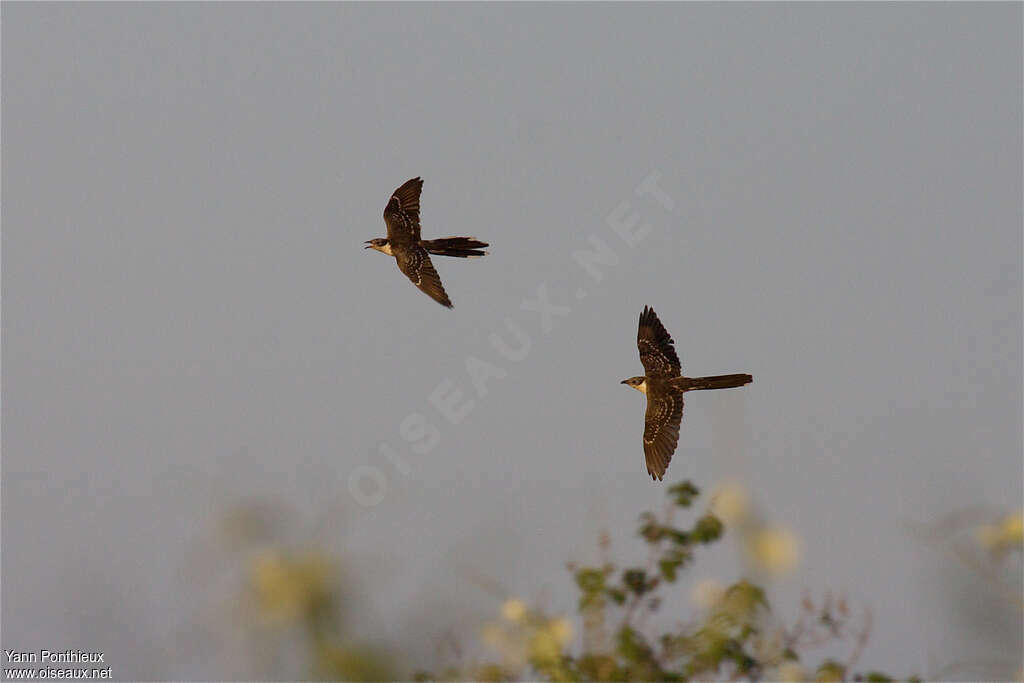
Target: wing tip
415,184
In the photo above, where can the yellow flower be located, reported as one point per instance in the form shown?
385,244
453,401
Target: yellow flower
775,550
830,675
288,588
1003,537
792,672
278,594
730,502
707,593
561,629
544,648
1012,529
513,610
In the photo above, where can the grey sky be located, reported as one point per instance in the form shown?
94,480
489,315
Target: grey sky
189,317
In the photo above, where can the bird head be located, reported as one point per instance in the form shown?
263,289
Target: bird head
638,383
379,244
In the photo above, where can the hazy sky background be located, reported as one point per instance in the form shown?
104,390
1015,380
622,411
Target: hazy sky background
189,318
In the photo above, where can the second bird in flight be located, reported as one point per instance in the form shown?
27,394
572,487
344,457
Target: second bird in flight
664,386
402,216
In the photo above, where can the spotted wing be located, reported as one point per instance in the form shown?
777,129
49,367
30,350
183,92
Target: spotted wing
661,429
657,352
415,263
402,214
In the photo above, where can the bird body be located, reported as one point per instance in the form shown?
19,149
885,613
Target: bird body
664,385
411,253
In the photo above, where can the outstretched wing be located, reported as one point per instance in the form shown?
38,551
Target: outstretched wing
402,214
657,352
415,263
661,430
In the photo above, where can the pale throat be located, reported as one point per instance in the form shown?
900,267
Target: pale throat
386,249
642,387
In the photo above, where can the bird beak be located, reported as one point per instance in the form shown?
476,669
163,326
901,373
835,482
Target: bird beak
624,381
368,245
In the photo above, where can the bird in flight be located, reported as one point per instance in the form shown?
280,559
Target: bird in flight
664,385
402,216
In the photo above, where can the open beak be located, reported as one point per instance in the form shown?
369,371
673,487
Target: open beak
368,245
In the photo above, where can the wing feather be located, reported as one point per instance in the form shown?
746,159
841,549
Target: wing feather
402,214
661,429
657,350
415,263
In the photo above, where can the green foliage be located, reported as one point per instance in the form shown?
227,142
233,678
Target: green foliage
637,582
729,639
339,661
875,677
708,529
726,633
830,670
617,594
591,582
672,561
683,493
637,658
732,635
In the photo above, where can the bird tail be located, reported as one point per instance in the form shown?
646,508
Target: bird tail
714,382
459,247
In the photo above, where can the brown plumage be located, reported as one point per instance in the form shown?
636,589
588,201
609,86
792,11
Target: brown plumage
412,254
664,385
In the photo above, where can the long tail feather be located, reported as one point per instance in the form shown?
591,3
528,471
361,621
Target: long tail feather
459,247
713,382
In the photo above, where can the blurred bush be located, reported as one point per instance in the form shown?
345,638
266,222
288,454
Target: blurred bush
297,595
733,634
293,609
